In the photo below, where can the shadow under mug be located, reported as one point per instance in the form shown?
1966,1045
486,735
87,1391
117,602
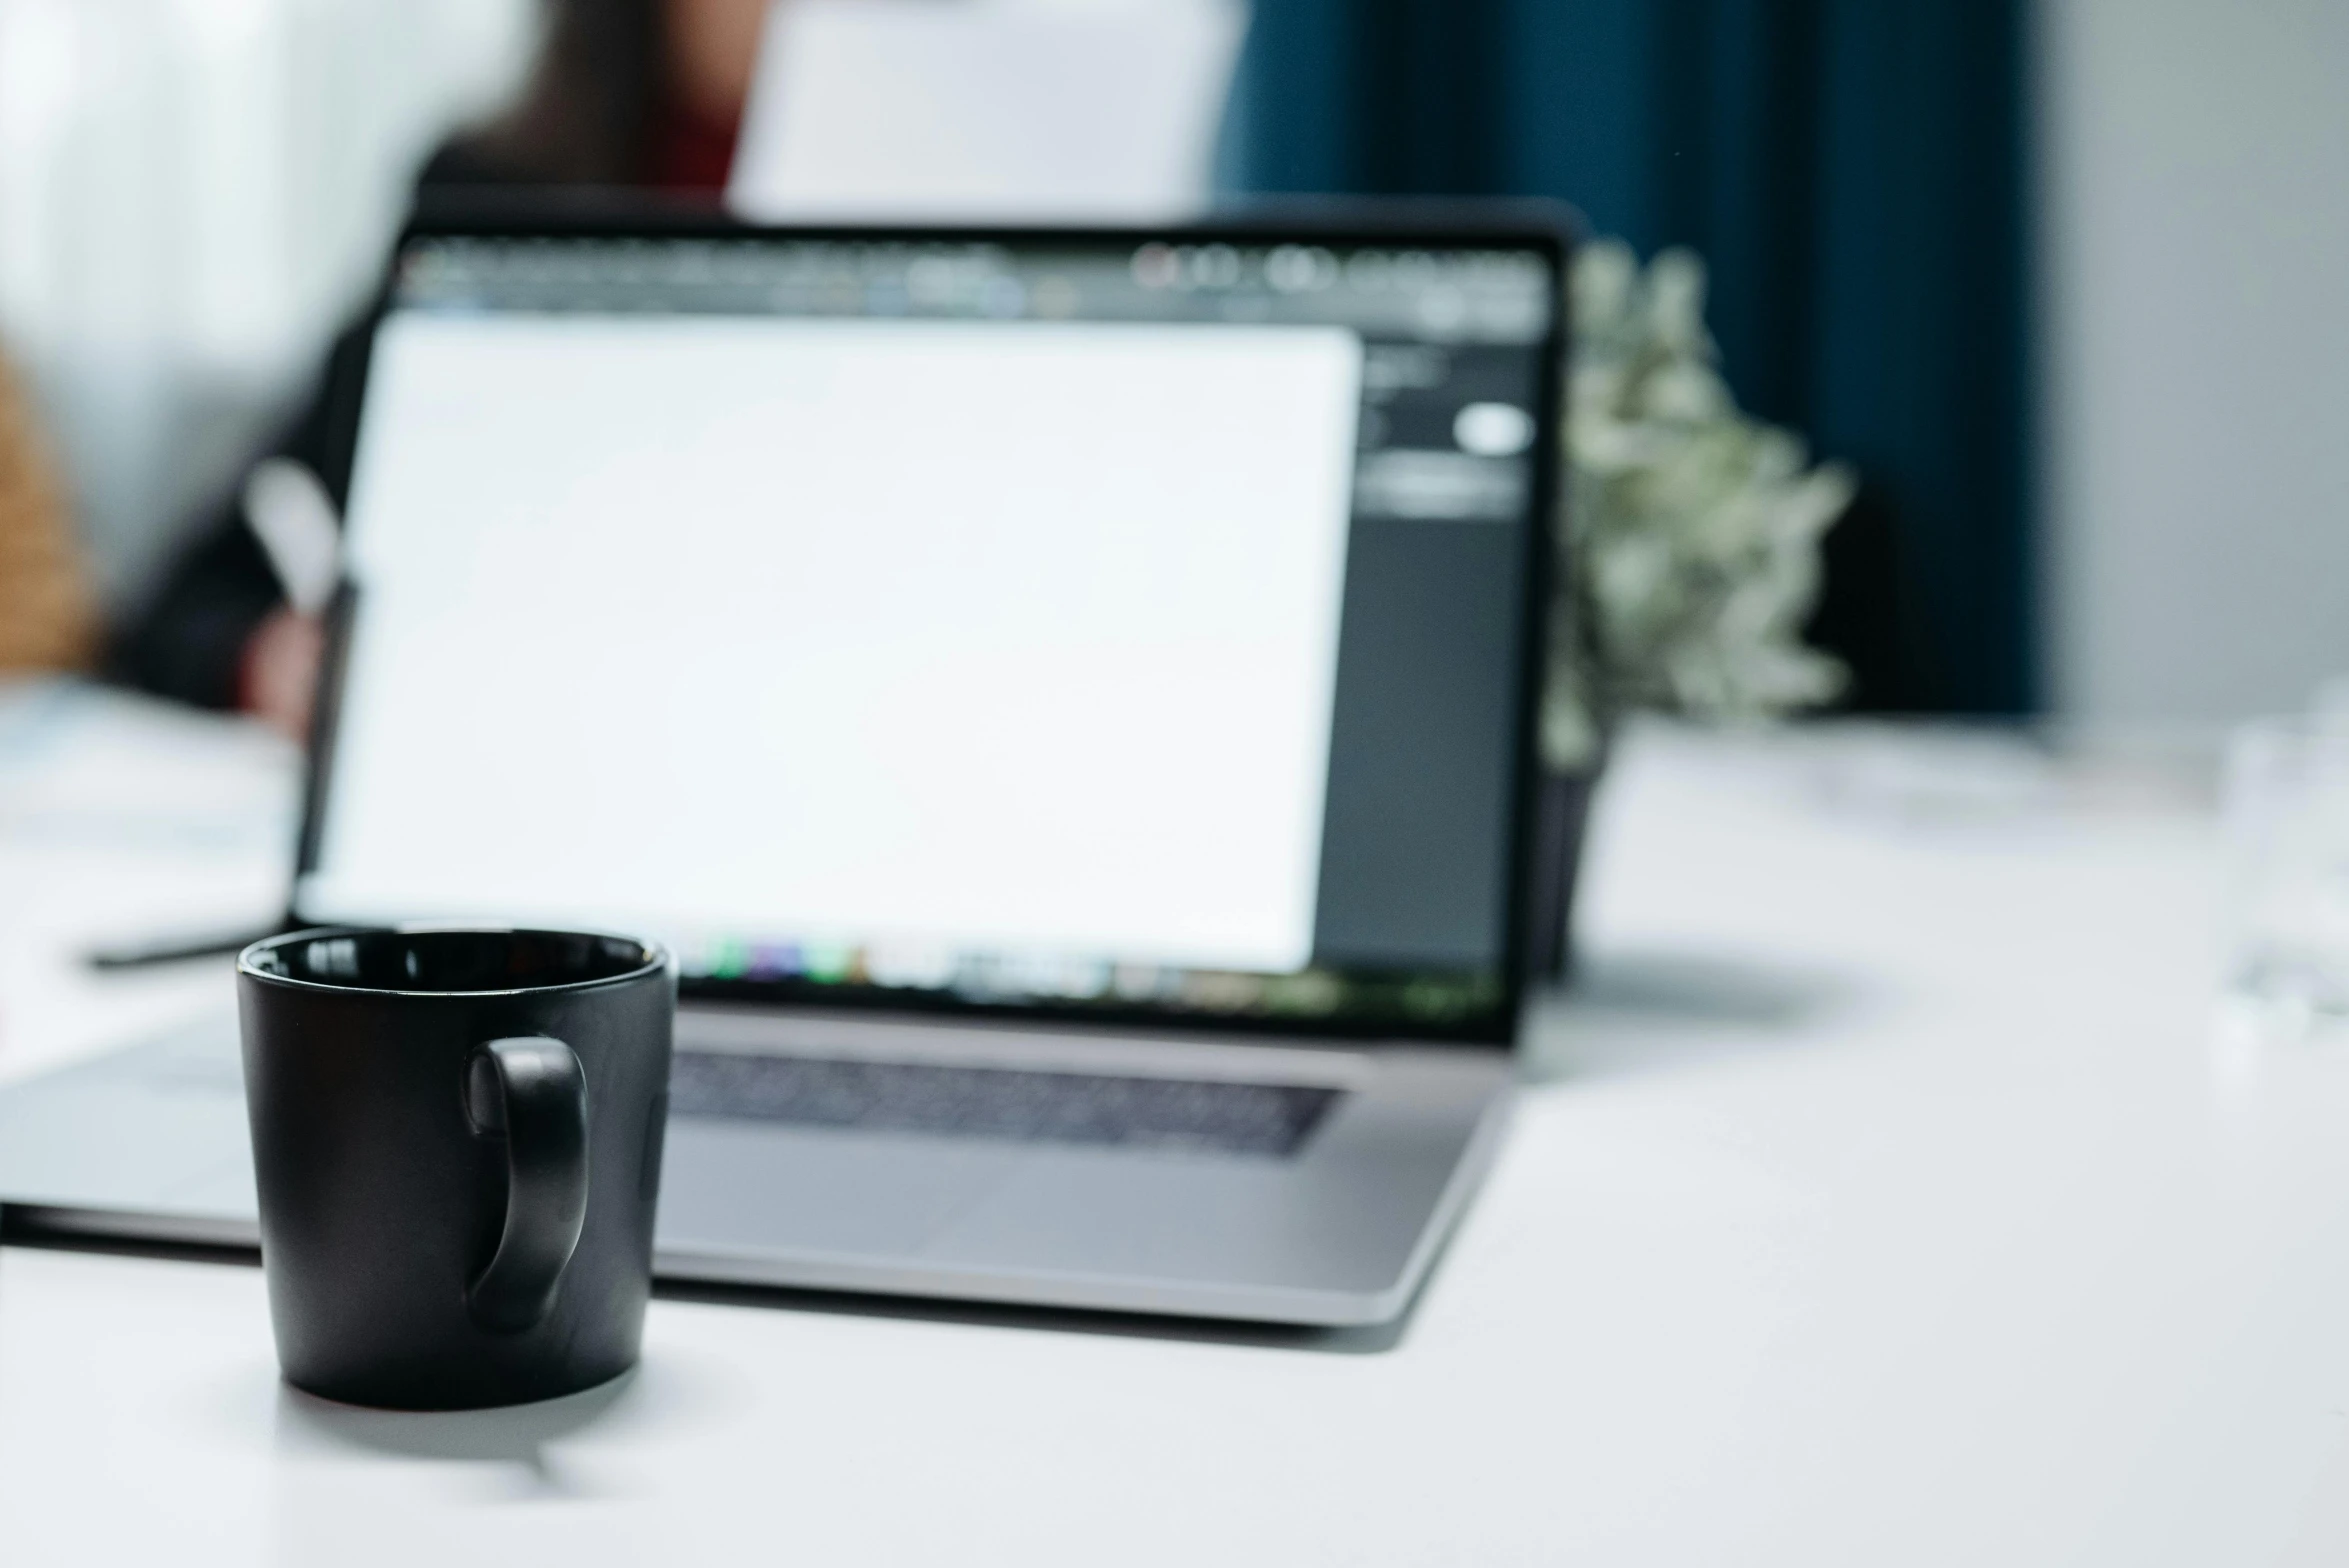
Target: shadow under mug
457,1150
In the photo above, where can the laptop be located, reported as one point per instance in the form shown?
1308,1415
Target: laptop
1066,697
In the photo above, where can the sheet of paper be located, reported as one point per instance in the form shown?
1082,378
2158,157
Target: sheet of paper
997,109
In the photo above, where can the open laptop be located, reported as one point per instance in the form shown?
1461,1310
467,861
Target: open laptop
1066,697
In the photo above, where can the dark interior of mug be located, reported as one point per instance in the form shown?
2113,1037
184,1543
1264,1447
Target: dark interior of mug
452,960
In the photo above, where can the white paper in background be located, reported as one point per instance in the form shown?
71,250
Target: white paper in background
1002,109
1006,637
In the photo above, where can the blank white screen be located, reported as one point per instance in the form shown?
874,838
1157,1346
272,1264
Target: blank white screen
1003,637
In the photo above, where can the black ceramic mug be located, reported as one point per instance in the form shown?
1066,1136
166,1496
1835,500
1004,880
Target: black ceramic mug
457,1144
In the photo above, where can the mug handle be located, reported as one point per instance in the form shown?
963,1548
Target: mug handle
532,1092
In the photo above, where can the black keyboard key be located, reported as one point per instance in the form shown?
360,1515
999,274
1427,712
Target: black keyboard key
1020,1105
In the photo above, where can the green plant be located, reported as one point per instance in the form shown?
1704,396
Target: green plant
1692,530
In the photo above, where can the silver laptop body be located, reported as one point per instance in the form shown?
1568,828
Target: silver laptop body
1184,978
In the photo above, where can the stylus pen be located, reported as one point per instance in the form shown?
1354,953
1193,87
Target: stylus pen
176,951
292,517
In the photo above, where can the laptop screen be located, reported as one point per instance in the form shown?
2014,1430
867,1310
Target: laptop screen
1121,624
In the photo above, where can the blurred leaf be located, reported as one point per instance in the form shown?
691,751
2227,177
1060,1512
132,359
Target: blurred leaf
1694,530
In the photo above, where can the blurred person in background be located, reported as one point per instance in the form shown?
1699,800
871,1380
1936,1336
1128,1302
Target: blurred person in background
642,94
46,622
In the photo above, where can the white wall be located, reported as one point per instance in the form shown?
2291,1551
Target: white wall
192,193
2196,263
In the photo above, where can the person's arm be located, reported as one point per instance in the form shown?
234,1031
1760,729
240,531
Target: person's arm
46,620
217,631
188,640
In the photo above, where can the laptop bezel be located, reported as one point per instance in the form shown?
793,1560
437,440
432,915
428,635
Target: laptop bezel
1536,226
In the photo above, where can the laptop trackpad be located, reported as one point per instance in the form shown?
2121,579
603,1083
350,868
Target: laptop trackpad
729,1184
139,1130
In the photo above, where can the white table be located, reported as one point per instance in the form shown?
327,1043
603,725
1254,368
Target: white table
1889,1197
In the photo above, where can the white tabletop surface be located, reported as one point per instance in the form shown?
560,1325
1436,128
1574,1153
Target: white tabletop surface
1889,1193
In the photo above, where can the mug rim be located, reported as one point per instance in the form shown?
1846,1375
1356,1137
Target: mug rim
657,958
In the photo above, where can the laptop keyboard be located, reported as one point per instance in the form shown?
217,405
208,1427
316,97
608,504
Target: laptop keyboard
1265,1119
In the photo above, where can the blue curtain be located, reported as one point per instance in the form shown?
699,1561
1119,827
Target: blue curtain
1853,170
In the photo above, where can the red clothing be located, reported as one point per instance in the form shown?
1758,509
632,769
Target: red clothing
690,153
